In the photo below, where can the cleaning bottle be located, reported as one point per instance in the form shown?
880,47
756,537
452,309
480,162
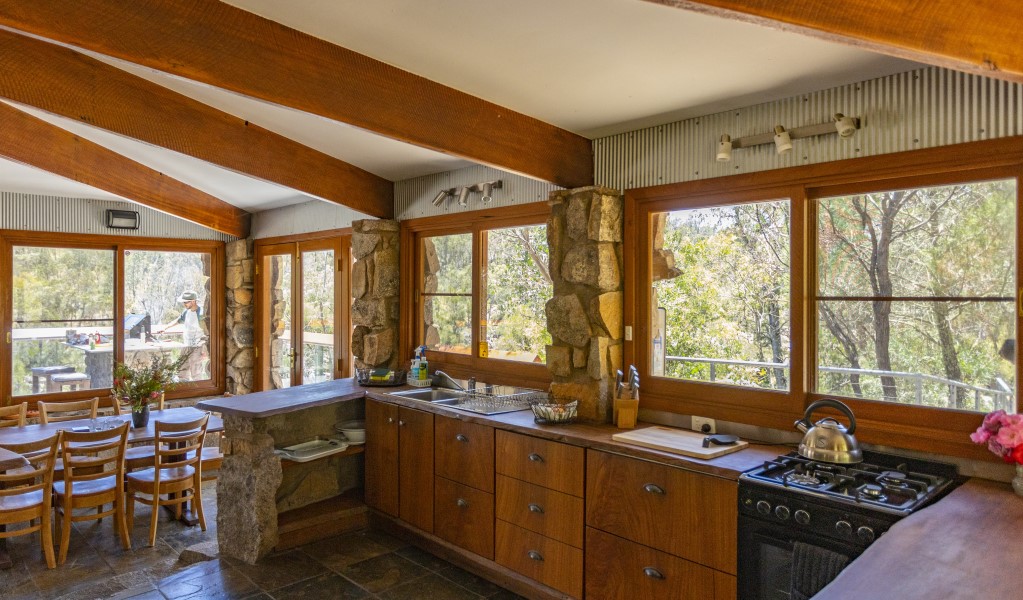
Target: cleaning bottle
424,365
414,371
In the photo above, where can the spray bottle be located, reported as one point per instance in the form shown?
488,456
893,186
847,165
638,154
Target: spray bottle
424,365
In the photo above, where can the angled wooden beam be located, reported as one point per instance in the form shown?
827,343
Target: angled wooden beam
973,37
68,83
34,142
218,44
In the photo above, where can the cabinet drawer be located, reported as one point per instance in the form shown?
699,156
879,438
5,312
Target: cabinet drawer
550,562
549,464
465,453
687,514
547,512
618,568
464,516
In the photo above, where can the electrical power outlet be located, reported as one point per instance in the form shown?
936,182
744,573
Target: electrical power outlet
704,425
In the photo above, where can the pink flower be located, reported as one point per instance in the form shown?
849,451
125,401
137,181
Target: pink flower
981,436
1011,434
993,420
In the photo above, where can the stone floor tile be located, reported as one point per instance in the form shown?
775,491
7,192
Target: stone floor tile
385,539
422,557
225,583
328,585
470,581
383,572
338,552
280,570
430,587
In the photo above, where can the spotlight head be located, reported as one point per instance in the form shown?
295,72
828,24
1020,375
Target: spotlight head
463,196
441,196
782,140
725,148
488,190
846,126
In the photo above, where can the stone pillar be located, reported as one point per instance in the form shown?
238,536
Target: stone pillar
584,317
375,310
238,316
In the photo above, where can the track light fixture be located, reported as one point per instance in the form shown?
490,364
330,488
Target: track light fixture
442,196
782,138
487,189
462,193
463,196
725,148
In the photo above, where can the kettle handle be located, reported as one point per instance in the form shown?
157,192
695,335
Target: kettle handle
835,404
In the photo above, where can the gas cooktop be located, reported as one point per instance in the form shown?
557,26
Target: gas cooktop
885,482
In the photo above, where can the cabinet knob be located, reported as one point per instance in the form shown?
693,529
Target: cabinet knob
462,503
653,573
533,554
461,438
535,508
390,419
535,457
401,423
653,488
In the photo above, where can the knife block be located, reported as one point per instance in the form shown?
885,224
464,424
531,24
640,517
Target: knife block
625,412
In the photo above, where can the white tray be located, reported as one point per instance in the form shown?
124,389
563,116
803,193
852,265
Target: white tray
311,450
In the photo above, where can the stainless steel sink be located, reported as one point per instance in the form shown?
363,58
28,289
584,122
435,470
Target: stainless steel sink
506,398
430,395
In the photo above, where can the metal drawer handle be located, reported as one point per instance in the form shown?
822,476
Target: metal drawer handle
653,488
390,419
401,423
653,573
535,508
461,438
462,503
533,554
535,457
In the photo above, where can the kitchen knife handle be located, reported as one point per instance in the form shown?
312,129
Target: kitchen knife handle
653,488
653,573
534,457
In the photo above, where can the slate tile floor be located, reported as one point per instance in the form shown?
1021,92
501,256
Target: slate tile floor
361,565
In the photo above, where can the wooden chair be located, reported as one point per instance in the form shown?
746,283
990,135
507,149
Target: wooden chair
177,472
18,410
26,494
93,478
54,412
139,457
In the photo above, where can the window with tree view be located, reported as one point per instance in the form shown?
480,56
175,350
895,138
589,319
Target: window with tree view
447,293
916,296
721,281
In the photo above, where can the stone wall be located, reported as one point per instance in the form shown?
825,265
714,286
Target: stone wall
584,233
375,310
238,316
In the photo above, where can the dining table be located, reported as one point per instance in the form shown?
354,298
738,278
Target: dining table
136,435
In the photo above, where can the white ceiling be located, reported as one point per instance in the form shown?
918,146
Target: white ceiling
594,67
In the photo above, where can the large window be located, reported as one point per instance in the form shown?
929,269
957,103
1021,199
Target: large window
67,330
480,292
891,283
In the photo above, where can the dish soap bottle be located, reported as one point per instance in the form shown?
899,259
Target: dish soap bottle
424,365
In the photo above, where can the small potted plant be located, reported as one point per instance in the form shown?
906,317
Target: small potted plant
1003,434
140,383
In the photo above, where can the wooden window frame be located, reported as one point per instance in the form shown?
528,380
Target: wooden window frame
343,294
942,431
214,308
490,370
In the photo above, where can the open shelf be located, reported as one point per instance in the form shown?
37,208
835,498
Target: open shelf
349,451
322,519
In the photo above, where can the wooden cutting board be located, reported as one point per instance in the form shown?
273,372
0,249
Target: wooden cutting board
680,441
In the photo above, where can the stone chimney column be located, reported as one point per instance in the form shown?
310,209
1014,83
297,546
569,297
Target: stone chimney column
375,311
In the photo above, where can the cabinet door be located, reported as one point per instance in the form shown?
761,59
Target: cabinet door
549,464
547,512
465,453
687,514
382,456
415,472
620,569
548,561
465,517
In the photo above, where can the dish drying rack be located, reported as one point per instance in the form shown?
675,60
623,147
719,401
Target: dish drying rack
491,402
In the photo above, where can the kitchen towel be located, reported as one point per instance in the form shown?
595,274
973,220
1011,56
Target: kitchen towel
812,569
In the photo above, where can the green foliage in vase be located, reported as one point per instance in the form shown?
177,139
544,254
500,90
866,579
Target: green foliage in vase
140,384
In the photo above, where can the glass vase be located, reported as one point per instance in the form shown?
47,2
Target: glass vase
1017,481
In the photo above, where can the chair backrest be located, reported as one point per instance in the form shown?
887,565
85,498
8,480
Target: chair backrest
93,455
41,456
18,410
54,412
179,444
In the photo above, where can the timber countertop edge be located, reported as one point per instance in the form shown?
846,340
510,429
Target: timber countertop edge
596,437
260,405
964,546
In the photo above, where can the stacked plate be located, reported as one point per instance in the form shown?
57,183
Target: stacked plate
354,431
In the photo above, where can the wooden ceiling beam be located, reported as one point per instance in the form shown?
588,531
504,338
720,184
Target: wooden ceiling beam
68,83
973,37
223,46
34,142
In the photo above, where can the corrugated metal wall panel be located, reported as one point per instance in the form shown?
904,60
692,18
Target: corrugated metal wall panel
413,198
32,212
923,108
308,217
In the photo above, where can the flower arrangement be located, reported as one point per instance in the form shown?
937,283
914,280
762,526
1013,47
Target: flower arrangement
1003,434
141,383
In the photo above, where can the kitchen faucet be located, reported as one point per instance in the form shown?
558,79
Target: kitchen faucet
444,380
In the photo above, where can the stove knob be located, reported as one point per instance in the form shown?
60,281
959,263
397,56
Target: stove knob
764,507
802,517
844,527
865,534
782,512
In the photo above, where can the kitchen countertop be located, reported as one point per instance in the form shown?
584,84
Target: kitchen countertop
964,546
260,405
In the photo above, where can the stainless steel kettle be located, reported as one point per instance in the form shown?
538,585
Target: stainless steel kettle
828,440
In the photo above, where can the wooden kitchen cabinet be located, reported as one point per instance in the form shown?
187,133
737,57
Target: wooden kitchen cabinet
541,558
465,452
683,513
465,517
549,464
548,512
399,462
464,485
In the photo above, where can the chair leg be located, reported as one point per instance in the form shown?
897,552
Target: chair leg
65,534
154,517
130,510
197,501
46,539
119,524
